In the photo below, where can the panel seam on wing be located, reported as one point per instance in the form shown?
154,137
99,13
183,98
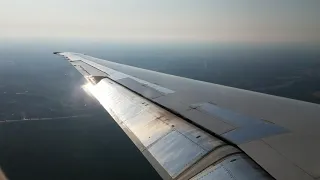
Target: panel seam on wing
286,158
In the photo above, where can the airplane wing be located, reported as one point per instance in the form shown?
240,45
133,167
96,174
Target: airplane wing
199,130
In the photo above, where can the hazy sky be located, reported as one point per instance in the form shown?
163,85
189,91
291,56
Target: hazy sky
186,20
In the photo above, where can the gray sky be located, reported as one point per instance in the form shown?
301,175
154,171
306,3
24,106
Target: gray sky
160,20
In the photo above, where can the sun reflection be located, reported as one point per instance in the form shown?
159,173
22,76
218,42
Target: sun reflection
98,91
88,88
105,93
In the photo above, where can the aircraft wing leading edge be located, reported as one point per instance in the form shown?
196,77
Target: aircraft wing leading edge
189,129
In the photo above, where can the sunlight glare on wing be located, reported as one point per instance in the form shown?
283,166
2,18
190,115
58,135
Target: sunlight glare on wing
88,88
100,92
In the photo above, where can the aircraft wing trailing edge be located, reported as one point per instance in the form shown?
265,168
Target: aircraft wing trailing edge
189,129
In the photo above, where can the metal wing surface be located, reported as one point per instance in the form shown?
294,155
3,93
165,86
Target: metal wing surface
193,129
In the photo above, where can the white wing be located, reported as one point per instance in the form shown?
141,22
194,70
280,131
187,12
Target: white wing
188,128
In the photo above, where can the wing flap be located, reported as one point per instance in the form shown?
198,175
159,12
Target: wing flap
274,162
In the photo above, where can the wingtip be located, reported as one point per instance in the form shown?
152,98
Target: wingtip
56,52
